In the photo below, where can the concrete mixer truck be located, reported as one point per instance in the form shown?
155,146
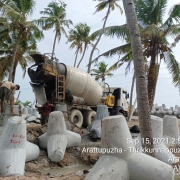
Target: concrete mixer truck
77,90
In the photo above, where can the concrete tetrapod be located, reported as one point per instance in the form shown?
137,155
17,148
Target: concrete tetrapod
32,151
108,168
13,147
95,126
7,113
140,166
73,139
161,151
171,130
56,136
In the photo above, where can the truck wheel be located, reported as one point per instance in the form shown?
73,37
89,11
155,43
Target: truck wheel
76,117
88,118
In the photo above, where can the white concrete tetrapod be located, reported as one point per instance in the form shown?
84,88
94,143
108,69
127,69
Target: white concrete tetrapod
109,168
29,110
102,112
56,136
95,126
8,114
171,130
32,151
56,145
140,166
156,107
42,141
161,151
157,126
153,111
73,139
164,107
145,167
176,107
61,107
13,147
113,127
34,112
25,110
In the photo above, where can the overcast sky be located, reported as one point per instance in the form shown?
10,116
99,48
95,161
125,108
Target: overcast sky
81,11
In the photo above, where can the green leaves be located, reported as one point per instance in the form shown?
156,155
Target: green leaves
18,35
101,71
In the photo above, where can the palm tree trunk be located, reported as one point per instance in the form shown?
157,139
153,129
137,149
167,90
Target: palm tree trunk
141,86
54,44
131,95
76,57
14,70
14,58
82,56
152,77
94,47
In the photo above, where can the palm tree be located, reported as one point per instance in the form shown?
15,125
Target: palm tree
101,71
85,39
154,33
110,4
22,56
75,37
55,18
16,12
139,66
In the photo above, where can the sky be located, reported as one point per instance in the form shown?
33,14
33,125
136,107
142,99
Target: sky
82,11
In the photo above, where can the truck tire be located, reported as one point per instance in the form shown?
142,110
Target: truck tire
88,118
76,117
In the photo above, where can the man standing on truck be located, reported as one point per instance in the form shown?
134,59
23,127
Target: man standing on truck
7,93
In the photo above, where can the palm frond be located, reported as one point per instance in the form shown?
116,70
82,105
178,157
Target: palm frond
173,67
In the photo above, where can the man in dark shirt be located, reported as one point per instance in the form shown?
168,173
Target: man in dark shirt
46,110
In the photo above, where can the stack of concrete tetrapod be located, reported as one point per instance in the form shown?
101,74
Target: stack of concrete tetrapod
14,149
171,131
161,151
95,126
123,163
161,111
56,127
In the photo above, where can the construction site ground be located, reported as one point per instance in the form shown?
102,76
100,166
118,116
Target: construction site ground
75,165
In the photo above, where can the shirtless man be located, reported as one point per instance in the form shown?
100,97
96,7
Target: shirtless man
7,93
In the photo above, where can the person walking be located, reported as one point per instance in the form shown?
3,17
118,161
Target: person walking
7,91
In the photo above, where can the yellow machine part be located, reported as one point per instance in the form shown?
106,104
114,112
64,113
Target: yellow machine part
110,101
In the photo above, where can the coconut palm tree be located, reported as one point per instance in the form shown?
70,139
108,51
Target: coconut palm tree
75,37
154,33
25,48
101,71
16,12
110,5
55,18
85,39
139,66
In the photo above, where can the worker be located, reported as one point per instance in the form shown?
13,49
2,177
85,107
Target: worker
7,91
46,110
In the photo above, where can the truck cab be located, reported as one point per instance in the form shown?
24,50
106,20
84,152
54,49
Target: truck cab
120,100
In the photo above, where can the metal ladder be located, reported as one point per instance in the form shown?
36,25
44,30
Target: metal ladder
60,88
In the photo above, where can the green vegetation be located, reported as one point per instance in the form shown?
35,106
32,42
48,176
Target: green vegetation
154,31
101,71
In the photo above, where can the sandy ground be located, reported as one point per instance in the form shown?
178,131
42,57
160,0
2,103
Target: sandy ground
75,165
